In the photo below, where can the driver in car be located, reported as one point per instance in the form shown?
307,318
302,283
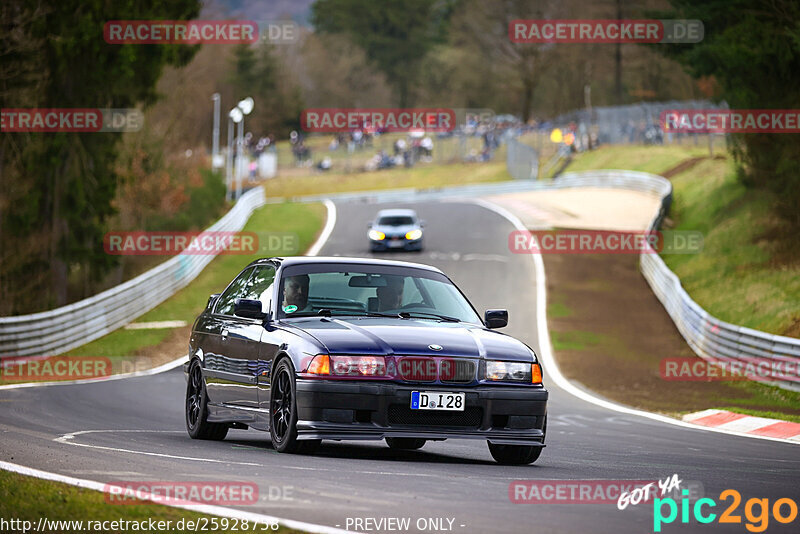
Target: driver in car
390,296
295,294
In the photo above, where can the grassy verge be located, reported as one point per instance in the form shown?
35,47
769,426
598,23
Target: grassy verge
421,176
748,273
655,159
60,502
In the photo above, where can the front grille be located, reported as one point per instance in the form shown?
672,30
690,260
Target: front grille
417,369
456,371
428,369
400,414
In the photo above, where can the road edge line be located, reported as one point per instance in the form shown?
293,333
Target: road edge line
546,351
208,509
327,230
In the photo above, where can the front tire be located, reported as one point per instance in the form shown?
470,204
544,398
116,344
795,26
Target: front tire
517,454
408,444
197,408
283,412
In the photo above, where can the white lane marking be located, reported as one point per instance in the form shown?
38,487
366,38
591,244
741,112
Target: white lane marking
105,473
67,439
154,371
453,256
392,473
485,257
155,324
471,256
330,222
219,511
546,350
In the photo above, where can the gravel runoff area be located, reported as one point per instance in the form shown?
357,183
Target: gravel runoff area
609,331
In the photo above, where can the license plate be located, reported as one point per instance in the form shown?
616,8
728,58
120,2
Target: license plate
396,243
437,400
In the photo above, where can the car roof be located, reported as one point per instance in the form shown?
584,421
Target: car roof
394,212
306,260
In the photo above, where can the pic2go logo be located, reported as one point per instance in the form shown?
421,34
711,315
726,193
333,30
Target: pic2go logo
757,521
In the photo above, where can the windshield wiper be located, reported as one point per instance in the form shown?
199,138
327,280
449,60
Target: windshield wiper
423,315
327,312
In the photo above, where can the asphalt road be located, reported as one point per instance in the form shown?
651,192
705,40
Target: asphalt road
133,429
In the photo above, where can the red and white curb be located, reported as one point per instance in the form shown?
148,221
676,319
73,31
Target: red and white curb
748,424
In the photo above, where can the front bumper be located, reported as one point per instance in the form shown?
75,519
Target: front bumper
396,244
341,410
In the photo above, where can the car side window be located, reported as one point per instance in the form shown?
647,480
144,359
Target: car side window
225,303
259,286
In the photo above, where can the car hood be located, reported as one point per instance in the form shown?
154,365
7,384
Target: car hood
389,336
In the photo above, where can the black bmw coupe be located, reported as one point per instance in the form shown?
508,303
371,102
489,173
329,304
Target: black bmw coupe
312,348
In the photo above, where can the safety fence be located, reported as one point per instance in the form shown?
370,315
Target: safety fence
522,161
62,329
632,124
710,338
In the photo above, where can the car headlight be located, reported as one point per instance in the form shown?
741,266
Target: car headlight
414,234
376,235
323,364
514,372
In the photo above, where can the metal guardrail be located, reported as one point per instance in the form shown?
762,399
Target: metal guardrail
62,329
710,338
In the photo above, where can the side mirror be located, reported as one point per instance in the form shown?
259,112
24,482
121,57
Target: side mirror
495,318
422,224
249,308
211,300
369,225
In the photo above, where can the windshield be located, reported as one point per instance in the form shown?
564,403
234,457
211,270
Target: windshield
396,220
364,291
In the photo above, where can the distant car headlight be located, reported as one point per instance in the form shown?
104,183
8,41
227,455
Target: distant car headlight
414,234
376,235
514,371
